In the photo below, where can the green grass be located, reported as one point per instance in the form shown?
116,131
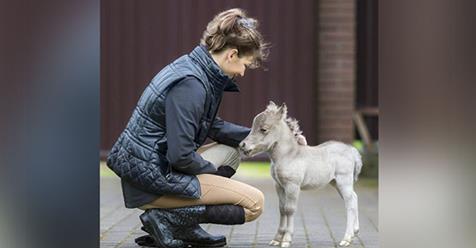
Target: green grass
255,170
367,182
246,169
104,171
358,144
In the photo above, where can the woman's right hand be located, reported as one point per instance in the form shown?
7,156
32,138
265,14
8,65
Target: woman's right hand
225,171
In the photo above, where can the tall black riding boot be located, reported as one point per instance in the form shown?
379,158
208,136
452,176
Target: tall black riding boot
186,221
216,214
160,229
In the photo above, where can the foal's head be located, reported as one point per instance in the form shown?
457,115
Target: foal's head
268,128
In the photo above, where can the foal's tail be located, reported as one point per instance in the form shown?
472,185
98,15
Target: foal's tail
357,162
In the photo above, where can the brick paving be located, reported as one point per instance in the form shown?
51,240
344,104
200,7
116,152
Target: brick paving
320,220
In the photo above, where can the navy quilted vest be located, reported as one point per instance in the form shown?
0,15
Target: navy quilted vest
138,156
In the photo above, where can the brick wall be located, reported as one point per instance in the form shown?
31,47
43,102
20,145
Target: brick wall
336,69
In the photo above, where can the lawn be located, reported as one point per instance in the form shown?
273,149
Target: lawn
253,170
247,169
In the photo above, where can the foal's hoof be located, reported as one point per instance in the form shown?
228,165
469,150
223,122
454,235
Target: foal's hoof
285,244
344,243
274,243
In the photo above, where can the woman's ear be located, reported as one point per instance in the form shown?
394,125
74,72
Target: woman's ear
232,54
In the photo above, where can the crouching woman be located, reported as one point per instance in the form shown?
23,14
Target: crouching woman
164,167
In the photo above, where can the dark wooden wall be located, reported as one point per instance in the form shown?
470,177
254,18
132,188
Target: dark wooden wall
139,37
367,61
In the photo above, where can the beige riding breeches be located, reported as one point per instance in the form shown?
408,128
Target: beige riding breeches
218,190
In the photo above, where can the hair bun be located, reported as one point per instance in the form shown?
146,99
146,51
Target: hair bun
248,23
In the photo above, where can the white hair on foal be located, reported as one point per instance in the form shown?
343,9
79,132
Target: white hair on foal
295,166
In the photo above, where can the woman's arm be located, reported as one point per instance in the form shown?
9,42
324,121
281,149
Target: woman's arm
228,133
183,109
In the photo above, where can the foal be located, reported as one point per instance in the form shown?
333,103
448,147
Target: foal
296,166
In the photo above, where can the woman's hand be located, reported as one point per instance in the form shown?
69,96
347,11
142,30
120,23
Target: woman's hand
225,171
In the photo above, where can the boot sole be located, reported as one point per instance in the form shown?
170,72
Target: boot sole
145,241
192,244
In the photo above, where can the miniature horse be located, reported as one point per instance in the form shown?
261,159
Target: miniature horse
296,166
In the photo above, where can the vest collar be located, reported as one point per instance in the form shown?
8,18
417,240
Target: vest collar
217,78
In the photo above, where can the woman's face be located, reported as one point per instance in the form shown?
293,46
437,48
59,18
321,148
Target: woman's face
233,65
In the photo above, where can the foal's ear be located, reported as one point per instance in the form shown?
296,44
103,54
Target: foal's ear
271,103
272,107
283,110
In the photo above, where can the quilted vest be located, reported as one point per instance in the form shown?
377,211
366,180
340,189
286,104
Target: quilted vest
138,155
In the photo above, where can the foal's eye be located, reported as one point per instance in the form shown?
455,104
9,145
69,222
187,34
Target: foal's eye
263,130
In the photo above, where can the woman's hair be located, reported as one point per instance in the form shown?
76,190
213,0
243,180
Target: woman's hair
233,29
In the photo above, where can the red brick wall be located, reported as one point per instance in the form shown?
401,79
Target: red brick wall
336,69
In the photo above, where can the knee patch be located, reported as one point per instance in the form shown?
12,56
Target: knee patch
256,210
252,215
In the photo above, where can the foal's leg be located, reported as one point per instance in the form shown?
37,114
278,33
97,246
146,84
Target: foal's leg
290,205
356,222
282,217
346,188
333,183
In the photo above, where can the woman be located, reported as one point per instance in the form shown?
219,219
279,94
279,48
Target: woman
163,166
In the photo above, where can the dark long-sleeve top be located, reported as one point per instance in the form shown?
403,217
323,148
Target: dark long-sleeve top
184,107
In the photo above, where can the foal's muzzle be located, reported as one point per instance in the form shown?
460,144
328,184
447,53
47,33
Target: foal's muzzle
245,150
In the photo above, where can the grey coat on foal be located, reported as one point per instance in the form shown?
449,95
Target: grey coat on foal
296,166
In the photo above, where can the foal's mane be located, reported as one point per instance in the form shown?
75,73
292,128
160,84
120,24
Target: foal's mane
293,126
